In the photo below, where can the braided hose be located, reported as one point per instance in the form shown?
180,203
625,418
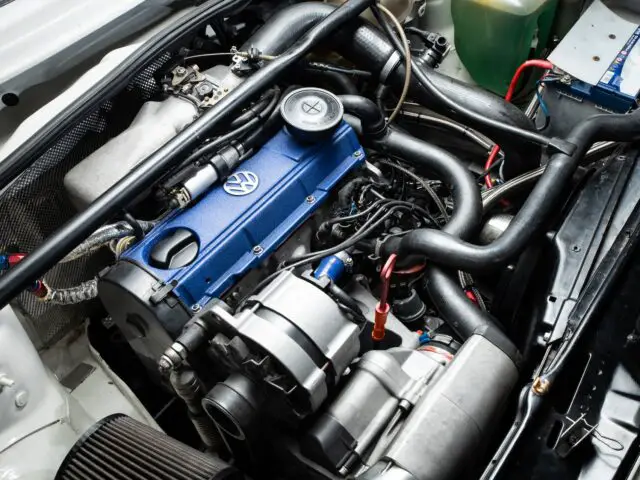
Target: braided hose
70,296
104,236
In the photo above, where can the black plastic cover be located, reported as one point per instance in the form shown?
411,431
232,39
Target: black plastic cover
176,250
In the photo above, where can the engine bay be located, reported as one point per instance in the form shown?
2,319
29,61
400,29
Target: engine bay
369,240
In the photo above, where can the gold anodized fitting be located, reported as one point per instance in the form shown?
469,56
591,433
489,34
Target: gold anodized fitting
540,386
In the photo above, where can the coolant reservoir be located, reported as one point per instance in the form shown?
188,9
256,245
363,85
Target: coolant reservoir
493,37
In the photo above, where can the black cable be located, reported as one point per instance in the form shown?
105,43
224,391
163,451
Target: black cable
432,194
270,126
343,299
324,67
222,140
348,218
370,226
269,100
219,142
255,110
312,257
138,231
418,71
145,175
423,34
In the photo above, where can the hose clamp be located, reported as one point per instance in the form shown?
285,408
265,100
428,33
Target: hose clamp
389,66
559,145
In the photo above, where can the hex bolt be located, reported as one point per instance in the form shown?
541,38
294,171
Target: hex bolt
257,250
181,70
204,88
310,199
357,153
195,308
21,400
164,365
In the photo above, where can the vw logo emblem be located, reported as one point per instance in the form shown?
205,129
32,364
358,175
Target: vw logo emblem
241,183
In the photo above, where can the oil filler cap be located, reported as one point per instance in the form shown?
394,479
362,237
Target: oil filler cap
311,114
176,250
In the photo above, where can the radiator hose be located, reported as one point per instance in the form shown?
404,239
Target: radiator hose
447,295
443,289
367,47
446,249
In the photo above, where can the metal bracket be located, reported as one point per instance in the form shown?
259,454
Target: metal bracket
573,436
161,291
558,145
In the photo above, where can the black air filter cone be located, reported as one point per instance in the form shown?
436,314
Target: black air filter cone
121,448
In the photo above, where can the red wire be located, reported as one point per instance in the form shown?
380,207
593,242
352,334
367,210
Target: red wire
385,276
547,65
508,97
471,296
492,158
411,270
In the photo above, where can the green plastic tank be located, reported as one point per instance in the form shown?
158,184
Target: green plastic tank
494,37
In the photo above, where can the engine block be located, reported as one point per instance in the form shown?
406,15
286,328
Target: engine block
198,253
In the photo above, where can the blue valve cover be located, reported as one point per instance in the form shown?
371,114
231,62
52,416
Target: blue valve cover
237,225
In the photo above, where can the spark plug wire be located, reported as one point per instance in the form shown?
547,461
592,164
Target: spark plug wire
383,307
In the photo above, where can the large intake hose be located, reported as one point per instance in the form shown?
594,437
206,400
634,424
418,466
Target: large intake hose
454,252
153,168
463,317
366,47
444,290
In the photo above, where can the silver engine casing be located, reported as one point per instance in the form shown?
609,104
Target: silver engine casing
295,329
156,123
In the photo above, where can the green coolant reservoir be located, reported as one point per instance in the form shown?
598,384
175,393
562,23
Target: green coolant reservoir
494,37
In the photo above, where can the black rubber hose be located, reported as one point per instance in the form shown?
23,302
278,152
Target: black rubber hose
371,117
240,131
464,317
467,213
453,104
467,200
453,252
337,80
367,47
449,299
114,81
151,170
447,167
254,111
286,26
270,126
